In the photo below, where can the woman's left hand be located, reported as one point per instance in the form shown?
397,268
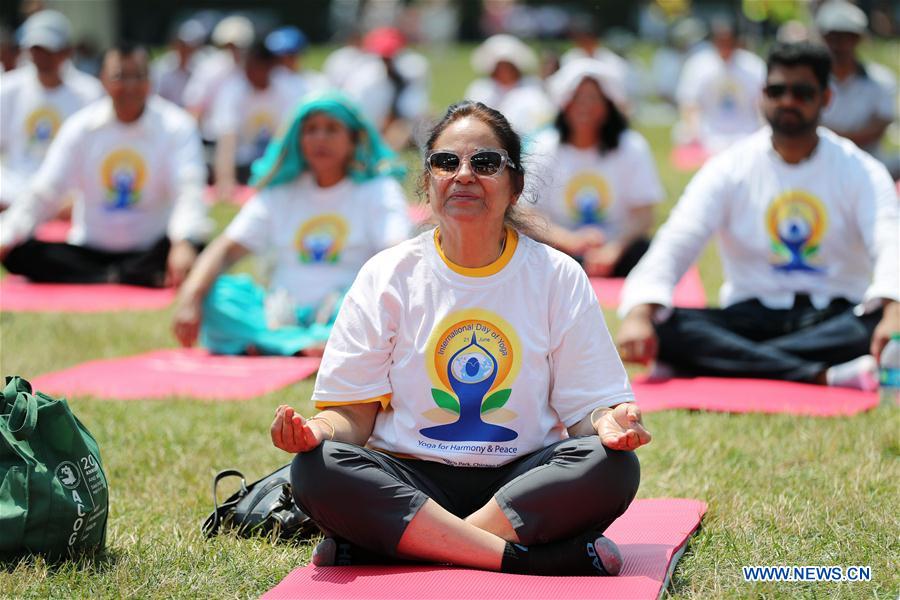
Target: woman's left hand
621,427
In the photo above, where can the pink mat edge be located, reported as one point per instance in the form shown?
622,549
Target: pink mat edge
39,382
673,555
149,299
862,402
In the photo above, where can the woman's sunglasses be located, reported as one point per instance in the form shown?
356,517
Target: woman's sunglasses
803,92
484,163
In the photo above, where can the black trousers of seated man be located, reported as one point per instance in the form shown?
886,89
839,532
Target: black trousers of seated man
629,259
59,262
749,340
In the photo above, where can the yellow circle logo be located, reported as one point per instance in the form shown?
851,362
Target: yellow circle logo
42,124
588,198
473,358
796,222
321,239
123,173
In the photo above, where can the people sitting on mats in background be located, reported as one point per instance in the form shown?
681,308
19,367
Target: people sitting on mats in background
718,92
171,72
136,163
807,226
327,201
509,85
288,44
863,95
593,177
37,98
232,36
470,388
250,108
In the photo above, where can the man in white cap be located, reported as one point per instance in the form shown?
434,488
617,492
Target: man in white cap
864,97
171,72
137,163
232,35
508,87
37,98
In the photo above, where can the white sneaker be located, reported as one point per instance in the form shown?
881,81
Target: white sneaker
860,374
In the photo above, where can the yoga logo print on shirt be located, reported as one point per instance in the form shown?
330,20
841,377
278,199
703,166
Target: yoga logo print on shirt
588,198
729,95
259,131
123,173
321,239
473,358
796,222
41,126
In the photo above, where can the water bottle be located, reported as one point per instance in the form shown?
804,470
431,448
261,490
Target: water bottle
889,372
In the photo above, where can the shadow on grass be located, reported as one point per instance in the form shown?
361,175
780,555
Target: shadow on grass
99,562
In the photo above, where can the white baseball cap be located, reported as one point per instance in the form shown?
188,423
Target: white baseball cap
48,29
562,84
235,30
503,48
840,16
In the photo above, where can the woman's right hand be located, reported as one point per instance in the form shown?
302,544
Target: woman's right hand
292,433
186,321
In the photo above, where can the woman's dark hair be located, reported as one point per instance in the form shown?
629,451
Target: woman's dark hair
804,54
509,141
610,131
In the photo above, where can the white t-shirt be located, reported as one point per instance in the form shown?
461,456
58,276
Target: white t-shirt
576,187
473,367
726,94
826,227
251,114
318,238
872,92
212,71
30,117
137,182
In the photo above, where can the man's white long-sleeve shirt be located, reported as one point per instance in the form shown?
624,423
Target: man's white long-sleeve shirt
137,182
827,227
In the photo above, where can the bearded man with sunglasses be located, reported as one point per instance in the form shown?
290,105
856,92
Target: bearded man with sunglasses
807,226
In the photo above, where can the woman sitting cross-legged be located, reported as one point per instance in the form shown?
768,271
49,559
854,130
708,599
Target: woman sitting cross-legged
594,178
472,407
326,204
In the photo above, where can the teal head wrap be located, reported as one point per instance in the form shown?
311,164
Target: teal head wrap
283,162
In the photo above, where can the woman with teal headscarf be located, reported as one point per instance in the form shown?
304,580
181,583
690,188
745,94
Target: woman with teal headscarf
327,200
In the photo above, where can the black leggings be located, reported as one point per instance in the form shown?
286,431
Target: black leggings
59,262
369,497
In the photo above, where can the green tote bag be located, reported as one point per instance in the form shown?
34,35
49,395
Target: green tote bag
54,496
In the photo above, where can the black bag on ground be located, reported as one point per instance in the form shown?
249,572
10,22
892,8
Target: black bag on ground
263,508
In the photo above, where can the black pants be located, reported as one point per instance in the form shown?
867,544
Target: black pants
369,497
749,340
58,262
629,258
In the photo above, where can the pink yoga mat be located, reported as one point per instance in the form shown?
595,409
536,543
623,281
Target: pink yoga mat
53,231
183,372
20,295
689,292
688,157
242,195
652,535
751,396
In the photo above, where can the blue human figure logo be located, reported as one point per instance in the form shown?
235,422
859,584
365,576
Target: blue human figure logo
319,243
263,135
471,372
795,233
587,202
123,189
43,130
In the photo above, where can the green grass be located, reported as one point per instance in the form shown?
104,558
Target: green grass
781,490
